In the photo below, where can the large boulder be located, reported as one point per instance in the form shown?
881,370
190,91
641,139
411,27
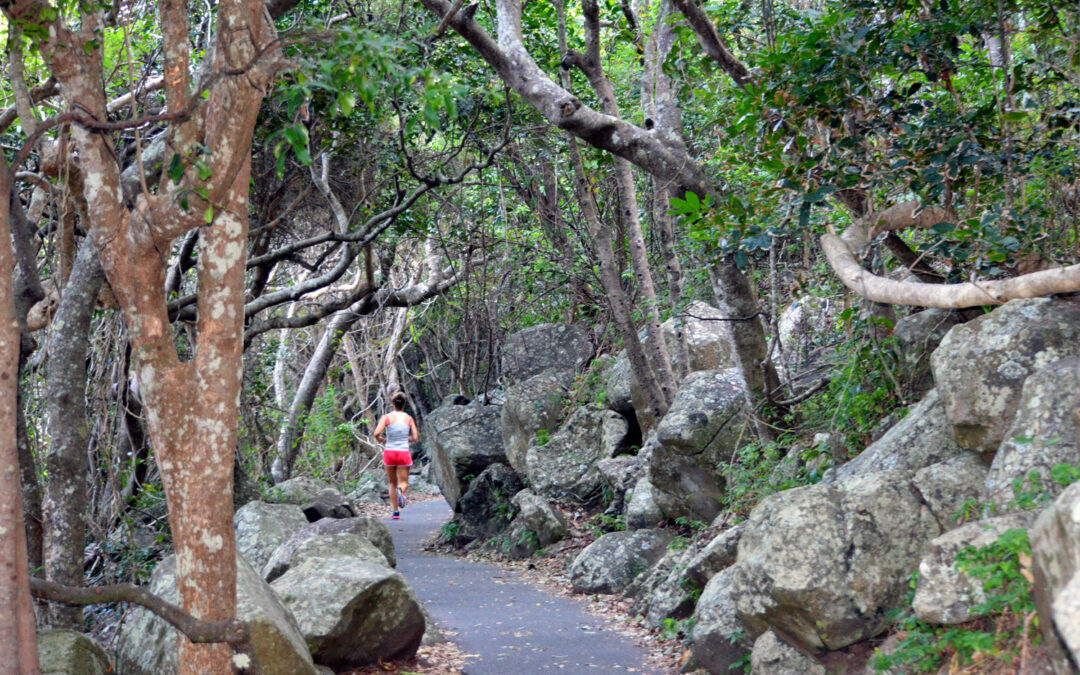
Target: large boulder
944,595
366,527
617,395
715,557
610,563
773,656
951,489
1055,549
980,366
532,406
539,517
299,491
566,466
352,613
66,652
340,545
659,594
547,346
1042,435
262,527
705,419
462,441
917,335
329,503
643,509
719,639
922,438
825,564
147,644
486,509
708,341
619,475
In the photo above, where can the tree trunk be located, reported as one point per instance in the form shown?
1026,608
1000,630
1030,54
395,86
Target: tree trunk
732,290
65,393
18,640
589,63
288,445
31,487
621,311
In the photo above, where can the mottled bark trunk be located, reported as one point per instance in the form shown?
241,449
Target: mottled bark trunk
18,642
732,290
66,463
288,445
31,489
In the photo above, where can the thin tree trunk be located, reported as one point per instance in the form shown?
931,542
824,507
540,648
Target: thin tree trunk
31,488
733,293
66,495
18,640
655,401
590,64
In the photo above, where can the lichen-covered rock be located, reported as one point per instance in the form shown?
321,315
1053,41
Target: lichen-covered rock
948,487
262,527
352,613
329,503
719,639
981,365
543,347
533,405
462,441
364,526
610,563
824,564
1042,435
617,386
801,325
147,645
565,466
1055,550
683,487
917,336
922,438
66,652
773,656
945,595
704,420
340,545
539,517
297,491
657,594
717,555
643,509
486,509
708,341
619,475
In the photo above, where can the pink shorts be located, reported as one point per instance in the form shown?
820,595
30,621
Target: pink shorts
397,458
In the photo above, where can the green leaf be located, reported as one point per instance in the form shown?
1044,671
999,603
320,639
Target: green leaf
176,169
208,214
942,228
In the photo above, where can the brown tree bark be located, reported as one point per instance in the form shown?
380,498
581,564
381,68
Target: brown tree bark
66,462
18,642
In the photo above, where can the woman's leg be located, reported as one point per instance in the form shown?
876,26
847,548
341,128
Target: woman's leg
403,477
391,479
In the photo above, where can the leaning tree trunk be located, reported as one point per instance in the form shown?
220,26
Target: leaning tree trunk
288,445
65,393
17,633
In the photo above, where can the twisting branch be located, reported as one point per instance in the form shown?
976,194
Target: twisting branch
233,632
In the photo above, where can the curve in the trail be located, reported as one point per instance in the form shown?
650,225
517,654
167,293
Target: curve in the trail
510,626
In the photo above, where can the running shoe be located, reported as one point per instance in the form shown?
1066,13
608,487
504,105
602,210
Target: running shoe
400,499
396,516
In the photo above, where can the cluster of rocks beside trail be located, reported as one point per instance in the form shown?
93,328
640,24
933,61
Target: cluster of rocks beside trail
812,569
318,591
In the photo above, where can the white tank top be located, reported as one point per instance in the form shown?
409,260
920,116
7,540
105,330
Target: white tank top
397,435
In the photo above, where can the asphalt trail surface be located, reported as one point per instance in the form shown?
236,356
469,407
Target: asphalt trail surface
511,627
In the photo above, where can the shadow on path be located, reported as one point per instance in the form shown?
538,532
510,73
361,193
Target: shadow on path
510,626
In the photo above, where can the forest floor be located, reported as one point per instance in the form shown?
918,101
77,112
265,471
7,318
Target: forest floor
547,573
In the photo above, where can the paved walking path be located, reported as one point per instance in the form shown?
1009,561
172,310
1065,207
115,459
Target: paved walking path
512,627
